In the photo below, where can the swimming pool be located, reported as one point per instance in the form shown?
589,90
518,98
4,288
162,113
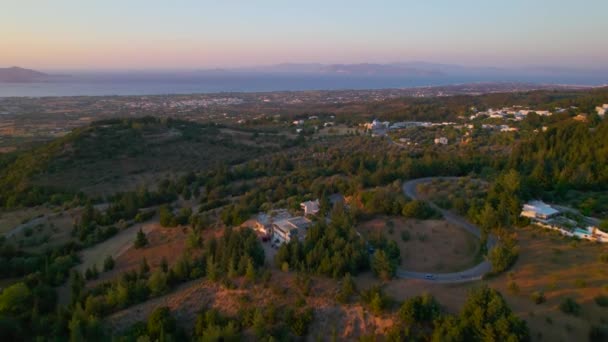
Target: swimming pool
579,231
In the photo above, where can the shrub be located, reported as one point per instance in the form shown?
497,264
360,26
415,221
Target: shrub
383,266
513,287
108,263
303,283
347,289
598,333
538,297
376,299
299,321
161,322
601,300
502,257
158,283
91,273
140,240
570,306
391,226
418,209
420,309
580,283
166,216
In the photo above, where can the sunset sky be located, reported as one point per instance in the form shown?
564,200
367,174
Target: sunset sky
137,34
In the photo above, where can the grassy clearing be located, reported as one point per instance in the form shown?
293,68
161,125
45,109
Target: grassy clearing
114,246
427,245
552,264
13,218
549,264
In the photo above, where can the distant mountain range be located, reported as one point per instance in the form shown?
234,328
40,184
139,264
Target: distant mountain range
416,69
301,76
360,69
16,74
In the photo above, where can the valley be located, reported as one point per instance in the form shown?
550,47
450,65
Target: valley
350,221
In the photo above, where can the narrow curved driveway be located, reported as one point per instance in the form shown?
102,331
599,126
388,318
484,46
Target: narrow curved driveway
471,274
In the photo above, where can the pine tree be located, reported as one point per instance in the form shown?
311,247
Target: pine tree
144,268
108,263
259,324
382,265
164,264
140,240
347,289
250,273
212,272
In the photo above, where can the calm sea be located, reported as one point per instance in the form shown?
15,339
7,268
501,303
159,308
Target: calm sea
105,85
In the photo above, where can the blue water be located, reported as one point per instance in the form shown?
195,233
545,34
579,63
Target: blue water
147,84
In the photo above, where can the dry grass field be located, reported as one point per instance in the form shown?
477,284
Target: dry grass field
561,268
49,232
347,322
13,218
339,130
430,245
548,263
168,243
114,246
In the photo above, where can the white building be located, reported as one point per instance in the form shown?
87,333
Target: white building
398,125
285,230
375,124
601,111
538,210
505,128
442,141
310,207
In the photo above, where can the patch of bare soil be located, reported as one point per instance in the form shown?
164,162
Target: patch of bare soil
167,243
330,318
114,246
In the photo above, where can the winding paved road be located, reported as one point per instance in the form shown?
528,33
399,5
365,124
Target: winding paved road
471,274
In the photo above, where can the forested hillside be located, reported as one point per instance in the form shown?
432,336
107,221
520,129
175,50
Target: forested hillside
112,149
568,155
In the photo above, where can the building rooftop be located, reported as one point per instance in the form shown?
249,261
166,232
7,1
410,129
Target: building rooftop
299,222
541,208
310,207
292,223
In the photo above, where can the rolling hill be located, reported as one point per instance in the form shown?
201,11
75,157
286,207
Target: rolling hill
17,74
116,155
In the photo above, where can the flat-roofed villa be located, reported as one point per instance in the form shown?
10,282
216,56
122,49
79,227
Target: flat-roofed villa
548,217
539,210
285,230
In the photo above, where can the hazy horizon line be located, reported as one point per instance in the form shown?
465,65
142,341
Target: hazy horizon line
251,67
